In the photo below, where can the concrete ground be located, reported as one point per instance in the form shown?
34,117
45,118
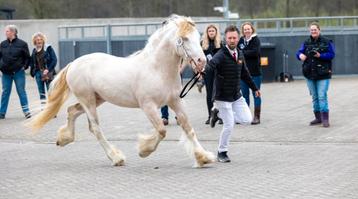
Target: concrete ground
283,157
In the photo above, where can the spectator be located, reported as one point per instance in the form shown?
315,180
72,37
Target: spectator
317,53
232,106
211,43
250,45
43,61
14,60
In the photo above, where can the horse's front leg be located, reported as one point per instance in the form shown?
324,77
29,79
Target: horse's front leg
148,143
192,144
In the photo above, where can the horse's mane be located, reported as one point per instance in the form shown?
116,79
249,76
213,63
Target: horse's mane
185,26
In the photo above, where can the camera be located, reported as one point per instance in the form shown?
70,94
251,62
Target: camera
312,52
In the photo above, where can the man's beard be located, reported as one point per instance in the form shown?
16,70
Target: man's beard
232,47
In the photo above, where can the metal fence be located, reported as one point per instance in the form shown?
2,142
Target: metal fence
297,25
285,34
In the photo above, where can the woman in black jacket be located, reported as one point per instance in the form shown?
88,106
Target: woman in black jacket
250,45
211,44
42,63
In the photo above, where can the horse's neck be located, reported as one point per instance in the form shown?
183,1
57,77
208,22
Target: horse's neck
166,60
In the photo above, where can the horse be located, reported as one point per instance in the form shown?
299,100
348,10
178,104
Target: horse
147,80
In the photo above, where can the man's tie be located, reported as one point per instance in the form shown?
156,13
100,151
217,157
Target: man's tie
234,56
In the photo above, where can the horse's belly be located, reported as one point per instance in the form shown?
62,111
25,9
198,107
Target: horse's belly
118,94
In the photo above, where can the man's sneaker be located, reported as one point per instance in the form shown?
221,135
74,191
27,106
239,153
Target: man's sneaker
2,116
221,121
214,117
27,115
222,157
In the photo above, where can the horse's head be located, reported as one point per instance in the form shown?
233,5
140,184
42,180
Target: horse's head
187,43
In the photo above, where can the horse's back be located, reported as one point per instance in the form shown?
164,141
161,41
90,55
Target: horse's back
109,76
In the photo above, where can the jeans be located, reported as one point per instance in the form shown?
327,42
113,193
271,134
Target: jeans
231,113
20,80
318,90
246,91
165,112
41,85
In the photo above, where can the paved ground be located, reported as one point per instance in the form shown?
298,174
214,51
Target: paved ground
281,158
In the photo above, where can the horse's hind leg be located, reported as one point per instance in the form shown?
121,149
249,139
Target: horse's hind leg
89,105
192,144
148,143
66,134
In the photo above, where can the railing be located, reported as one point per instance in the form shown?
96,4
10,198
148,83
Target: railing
266,27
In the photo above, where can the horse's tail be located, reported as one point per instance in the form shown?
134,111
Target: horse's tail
57,95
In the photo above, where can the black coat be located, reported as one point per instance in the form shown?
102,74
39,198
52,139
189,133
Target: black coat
317,68
49,57
252,54
14,56
212,50
228,76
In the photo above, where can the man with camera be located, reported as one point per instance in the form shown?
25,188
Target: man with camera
317,53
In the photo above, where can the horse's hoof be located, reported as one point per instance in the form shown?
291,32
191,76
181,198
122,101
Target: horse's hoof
144,154
117,157
118,163
203,157
63,142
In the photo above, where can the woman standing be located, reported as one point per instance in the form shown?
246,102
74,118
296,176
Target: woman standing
317,53
250,45
211,44
42,63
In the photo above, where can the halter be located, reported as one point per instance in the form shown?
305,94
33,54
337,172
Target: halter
180,45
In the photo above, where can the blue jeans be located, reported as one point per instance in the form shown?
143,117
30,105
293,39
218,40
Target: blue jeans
41,85
318,90
20,80
245,90
165,112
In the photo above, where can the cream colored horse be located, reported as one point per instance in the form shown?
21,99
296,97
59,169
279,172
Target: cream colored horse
148,80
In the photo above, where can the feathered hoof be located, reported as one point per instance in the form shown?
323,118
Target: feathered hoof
64,137
117,158
203,157
147,144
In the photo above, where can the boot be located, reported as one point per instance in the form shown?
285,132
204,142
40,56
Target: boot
317,119
207,121
214,117
325,119
257,114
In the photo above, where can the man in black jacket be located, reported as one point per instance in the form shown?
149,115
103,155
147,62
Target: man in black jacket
232,106
14,60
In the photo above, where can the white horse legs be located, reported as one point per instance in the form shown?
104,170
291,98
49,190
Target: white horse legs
148,143
192,144
115,155
66,134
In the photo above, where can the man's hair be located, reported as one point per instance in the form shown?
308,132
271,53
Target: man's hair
315,23
12,28
232,28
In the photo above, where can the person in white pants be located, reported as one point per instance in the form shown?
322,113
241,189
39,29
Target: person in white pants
231,106
231,113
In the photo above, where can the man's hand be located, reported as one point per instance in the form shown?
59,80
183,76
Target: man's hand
302,57
317,55
45,72
258,93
